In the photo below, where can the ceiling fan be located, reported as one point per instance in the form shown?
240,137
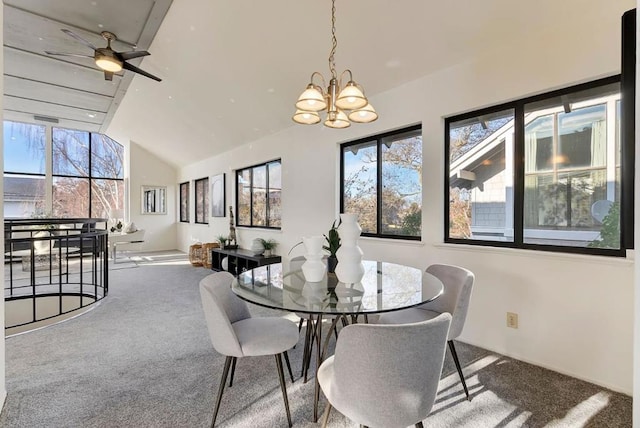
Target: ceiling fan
106,58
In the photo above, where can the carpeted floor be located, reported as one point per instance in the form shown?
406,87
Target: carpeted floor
143,358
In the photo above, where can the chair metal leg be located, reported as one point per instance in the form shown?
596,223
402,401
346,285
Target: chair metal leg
312,339
305,353
316,395
283,387
286,360
233,371
419,425
225,373
452,348
325,417
299,329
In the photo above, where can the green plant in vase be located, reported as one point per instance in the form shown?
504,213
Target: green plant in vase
222,240
332,246
269,245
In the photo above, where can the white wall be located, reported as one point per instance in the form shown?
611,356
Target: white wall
3,390
147,169
576,312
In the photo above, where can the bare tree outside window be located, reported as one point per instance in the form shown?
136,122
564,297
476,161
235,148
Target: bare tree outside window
202,200
24,173
87,171
258,193
383,183
184,202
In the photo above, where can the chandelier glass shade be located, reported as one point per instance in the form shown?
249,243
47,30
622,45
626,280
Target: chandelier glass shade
343,104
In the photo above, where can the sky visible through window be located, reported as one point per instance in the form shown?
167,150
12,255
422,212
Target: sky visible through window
24,148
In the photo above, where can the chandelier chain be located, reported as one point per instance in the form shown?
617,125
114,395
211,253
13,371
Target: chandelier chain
332,62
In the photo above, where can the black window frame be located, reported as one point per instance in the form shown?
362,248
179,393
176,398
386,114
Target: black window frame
379,141
518,106
43,175
188,217
90,176
205,208
237,173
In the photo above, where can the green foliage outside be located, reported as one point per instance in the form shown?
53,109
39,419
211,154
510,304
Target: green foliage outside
610,232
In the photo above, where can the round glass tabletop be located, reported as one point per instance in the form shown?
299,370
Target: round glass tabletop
384,287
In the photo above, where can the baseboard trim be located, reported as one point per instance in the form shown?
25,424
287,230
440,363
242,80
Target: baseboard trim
515,356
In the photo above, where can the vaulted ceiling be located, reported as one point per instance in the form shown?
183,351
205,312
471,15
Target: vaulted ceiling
232,69
70,90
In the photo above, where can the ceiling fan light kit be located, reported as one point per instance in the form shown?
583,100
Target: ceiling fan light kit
106,58
343,106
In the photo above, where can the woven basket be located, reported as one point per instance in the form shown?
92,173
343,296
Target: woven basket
206,253
195,255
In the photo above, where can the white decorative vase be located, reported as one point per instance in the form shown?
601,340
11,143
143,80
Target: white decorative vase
256,247
350,268
313,269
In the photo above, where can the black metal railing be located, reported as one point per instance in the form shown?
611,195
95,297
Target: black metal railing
60,265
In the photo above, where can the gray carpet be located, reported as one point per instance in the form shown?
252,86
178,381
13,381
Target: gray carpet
143,358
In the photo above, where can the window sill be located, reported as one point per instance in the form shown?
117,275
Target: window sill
387,241
266,229
626,261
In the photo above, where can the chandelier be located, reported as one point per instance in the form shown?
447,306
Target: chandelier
344,105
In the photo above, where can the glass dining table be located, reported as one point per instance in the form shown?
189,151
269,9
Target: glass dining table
385,287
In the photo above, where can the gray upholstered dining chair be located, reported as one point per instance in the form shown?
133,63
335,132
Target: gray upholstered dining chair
235,333
458,283
385,375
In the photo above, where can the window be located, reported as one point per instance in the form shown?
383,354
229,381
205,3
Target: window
381,180
184,202
258,195
563,194
87,172
202,200
24,172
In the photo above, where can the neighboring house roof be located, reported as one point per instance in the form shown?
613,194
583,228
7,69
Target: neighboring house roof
460,172
23,188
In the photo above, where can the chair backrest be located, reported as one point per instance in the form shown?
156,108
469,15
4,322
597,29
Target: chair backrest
221,309
387,375
458,283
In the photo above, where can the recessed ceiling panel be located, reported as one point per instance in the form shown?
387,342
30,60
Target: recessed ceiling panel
57,72
71,87
41,108
60,95
125,18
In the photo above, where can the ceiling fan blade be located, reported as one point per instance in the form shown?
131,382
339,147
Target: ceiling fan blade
78,38
68,54
135,69
132,54
108,75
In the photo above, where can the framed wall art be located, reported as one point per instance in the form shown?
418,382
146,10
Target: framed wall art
218,195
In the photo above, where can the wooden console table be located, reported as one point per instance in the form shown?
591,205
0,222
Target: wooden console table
239,260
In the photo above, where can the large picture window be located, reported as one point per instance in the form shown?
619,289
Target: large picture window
184,202
202,200
540,173
258,195
381,181
86,172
